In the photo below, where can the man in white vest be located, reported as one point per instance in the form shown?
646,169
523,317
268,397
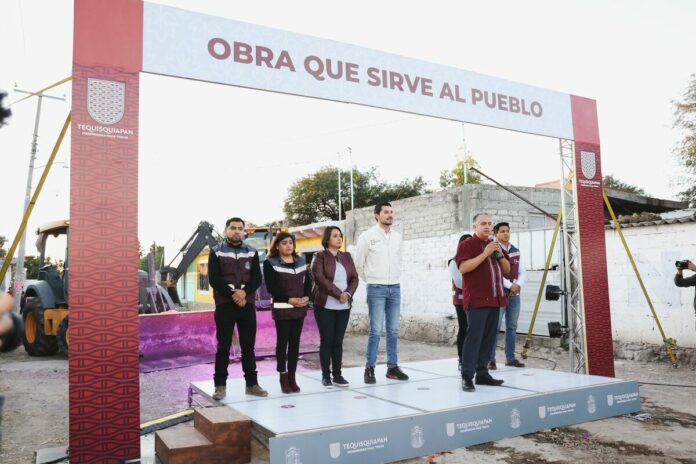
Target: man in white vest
378,262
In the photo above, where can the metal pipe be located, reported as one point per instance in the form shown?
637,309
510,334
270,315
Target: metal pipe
669,342
513,193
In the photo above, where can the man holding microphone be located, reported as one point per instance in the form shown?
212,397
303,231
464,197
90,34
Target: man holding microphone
483,264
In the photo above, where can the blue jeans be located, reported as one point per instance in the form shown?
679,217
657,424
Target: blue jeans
383,302
512,314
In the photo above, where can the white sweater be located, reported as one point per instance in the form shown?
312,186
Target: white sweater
378,256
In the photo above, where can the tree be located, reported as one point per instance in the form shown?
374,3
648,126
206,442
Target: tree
3,252
615,183
157,251
31,264
314,197
453,177
685,123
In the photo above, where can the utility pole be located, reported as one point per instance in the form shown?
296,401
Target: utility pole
339,185
19,273
350,160
465,169
464,150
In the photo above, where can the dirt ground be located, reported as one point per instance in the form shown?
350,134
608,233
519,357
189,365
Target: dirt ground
36,411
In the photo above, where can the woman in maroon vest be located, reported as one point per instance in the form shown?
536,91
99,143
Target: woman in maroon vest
335,280
290,285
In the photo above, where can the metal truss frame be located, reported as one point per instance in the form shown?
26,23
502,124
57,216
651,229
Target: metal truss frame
571,282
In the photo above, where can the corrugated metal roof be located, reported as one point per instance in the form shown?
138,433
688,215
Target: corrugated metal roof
673,217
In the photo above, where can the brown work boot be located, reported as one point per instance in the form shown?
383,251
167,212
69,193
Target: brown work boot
220,392
285,383
256,390
492,366
293,382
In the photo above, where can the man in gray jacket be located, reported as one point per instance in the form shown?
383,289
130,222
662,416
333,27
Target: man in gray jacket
378,262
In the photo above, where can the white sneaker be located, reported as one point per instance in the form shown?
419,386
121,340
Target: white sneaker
220,392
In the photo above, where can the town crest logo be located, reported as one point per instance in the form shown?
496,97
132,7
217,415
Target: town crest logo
515,420
417,437
292,456
106,100
591,405
588,164
335,450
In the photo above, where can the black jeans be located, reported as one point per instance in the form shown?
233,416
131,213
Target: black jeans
332,325
226,316
479,341
288,333
461,334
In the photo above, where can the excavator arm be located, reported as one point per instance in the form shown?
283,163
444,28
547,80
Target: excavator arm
203,236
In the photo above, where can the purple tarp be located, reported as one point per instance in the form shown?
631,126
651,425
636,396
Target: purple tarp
178,339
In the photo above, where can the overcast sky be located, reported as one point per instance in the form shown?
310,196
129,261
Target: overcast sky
210,151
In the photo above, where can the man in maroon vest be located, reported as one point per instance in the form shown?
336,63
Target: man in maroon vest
513,282
483,264
234,273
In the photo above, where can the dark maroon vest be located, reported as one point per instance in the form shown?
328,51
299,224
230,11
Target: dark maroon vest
291,280
513,256
235,269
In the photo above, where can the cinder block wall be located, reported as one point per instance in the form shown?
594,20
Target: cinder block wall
431,225
655,249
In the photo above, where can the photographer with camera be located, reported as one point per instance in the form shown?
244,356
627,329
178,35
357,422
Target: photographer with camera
681,281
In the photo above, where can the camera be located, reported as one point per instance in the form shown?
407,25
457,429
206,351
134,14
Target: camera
683,264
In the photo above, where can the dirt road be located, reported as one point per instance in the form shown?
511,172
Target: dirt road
36,411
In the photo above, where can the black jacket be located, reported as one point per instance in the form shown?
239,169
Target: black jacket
681,281
13,338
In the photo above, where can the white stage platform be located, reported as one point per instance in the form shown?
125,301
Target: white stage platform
395,420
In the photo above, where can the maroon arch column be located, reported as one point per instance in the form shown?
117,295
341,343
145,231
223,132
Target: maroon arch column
590,217
104,379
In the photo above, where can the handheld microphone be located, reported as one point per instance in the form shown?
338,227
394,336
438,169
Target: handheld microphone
497,254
